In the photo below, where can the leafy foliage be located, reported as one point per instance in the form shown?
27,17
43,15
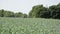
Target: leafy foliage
29,26
5,13
39,11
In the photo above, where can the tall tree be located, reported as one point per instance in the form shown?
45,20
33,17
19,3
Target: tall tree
39,11
2,11
55,11
19,14
25,16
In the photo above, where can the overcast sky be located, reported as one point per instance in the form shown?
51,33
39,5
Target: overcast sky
24,5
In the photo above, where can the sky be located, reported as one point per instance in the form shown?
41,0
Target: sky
25,6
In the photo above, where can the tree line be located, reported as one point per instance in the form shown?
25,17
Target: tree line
38,11
5,13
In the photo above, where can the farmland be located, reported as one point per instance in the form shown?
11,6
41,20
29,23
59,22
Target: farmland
29,26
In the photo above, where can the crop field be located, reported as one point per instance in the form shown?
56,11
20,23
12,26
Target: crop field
29,26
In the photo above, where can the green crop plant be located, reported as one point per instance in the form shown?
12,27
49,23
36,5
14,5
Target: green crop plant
29,26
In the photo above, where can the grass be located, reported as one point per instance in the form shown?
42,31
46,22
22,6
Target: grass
29,26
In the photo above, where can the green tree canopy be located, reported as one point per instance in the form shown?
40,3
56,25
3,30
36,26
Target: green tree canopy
39,11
